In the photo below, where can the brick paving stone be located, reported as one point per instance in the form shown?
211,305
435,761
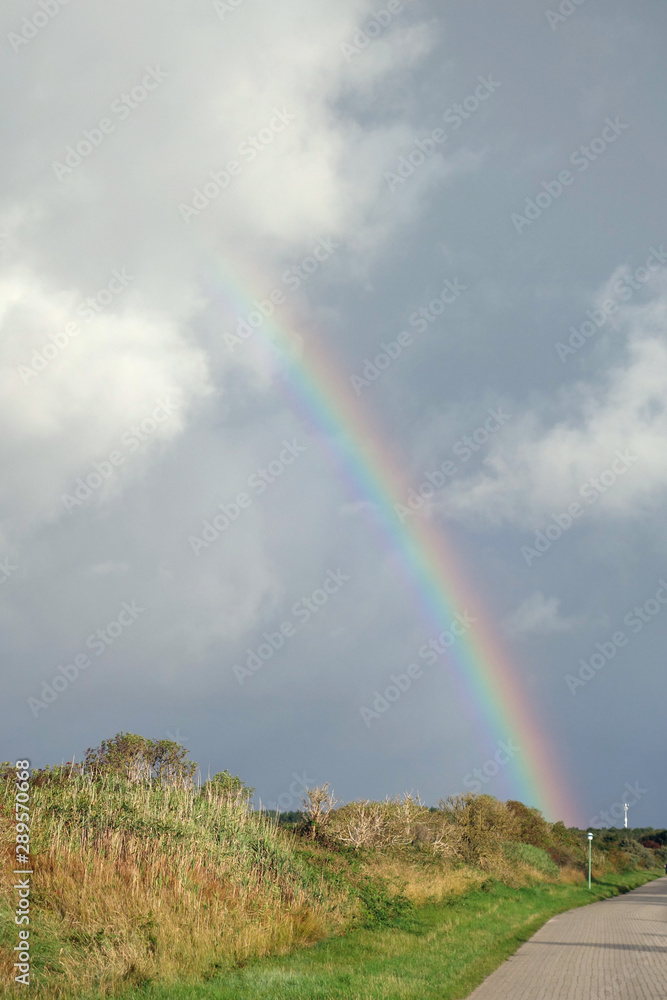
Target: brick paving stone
613,949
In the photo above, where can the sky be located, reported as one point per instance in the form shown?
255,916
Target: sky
215,218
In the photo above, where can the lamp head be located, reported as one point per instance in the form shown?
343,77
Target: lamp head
590,835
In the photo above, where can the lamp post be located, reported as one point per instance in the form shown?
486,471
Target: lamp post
590,840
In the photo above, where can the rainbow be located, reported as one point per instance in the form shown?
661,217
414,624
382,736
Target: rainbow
317,389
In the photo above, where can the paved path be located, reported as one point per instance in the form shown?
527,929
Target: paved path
613,949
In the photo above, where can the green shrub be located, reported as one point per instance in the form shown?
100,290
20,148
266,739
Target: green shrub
536,857
229,786
138,759
567,847
566,857
533,828
480,825
641,855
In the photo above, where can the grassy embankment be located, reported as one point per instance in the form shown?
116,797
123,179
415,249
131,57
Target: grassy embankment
442,952
144,889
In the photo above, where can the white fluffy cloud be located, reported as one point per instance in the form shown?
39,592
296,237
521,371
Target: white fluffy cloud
73,390
232,89
602,443
538,615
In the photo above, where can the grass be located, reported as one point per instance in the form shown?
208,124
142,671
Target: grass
441,950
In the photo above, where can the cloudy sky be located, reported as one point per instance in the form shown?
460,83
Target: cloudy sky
485,182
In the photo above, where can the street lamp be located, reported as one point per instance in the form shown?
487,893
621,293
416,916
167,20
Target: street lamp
590,840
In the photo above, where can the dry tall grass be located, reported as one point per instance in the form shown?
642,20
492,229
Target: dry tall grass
146,883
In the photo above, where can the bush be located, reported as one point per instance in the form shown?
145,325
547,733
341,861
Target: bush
640,855
228,786
396,822
566,847
480,824
535,857
621,860
318,805
138,759
533,828
565,856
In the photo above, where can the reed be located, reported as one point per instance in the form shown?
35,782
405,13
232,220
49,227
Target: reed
141,882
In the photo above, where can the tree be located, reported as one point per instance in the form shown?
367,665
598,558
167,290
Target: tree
534,829
317,805
136,758
229,786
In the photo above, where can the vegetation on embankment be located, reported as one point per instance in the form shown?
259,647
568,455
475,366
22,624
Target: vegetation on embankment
145,880
443,951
